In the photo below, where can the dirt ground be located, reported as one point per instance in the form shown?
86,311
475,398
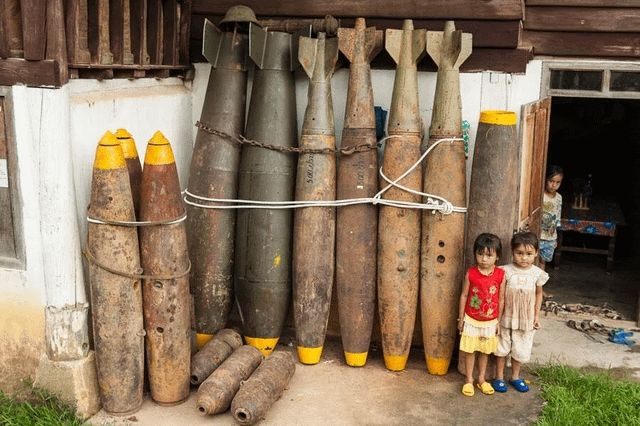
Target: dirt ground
333,393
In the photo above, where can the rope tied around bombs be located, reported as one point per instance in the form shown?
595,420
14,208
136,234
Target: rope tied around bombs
241,140
136,224
139,273
432,202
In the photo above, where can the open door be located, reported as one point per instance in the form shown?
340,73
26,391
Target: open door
534,131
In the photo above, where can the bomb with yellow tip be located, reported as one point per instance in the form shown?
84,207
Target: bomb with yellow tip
116,295
314,227
134,167
356,233
399,228
163,251
214,171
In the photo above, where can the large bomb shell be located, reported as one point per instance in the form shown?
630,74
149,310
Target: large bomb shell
215,393
398,228
264,387
134,167
494,182
163,251
442,254
314,227
116,301
213,354
263,243
214,174
356,226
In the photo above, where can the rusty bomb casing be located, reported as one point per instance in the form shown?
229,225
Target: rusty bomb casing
134,167
264,387
442,254
163,251
263,237
214,173
116,301
216,393
314,227
399,228
356,226
212,355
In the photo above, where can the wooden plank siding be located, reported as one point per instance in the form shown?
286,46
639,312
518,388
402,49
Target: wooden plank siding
585,3
594,45
403,9
595,19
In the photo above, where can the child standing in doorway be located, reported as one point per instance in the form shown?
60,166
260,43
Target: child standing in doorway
480,308
521,317
551,213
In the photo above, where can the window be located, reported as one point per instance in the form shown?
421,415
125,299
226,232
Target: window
591,79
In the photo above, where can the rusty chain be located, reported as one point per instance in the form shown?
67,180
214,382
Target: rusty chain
241,140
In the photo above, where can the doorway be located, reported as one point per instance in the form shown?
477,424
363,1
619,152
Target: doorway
597,143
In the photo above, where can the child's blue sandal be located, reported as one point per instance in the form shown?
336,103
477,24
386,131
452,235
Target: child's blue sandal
499,385
519,385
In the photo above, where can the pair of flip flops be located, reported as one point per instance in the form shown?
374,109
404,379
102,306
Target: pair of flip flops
621,337
486,388
518,384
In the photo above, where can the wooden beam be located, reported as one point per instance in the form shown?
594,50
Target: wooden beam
104,55
120,31
154,30
56,40
496,34
584,3
583,44
32,73
432,9
170,23
34,28
184,32
592,19
139,32
77,35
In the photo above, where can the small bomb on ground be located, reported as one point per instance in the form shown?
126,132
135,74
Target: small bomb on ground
213,354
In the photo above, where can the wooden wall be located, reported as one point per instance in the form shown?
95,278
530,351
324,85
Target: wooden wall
588,28
44,43
495,24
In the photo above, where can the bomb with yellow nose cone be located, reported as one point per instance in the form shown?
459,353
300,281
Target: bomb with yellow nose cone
442,254
116,298
356,233
399,228
163,249
314,227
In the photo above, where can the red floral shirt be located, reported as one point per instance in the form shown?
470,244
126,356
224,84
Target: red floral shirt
484,294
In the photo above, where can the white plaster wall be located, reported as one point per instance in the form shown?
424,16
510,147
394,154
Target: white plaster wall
142,107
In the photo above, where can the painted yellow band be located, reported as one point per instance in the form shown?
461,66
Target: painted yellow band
438,366
264,345
309,355
502,118
109,154
158,151
127,143
395,362
356,359
202,339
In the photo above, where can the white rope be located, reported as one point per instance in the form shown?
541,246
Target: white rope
433,202
136,223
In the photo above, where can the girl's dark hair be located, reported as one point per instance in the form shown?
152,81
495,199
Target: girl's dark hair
489,242
553,170
524,239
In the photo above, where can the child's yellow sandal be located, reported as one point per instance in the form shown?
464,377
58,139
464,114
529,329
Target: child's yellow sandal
467,389
486,388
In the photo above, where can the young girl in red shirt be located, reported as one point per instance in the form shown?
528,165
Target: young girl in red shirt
481,305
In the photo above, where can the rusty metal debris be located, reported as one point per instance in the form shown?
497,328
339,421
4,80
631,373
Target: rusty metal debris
605,310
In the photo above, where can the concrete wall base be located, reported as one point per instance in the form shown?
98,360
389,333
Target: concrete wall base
74,382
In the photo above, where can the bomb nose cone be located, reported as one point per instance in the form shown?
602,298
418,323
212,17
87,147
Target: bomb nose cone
360,24
449,26
109,154
123,134
159,151
127,143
